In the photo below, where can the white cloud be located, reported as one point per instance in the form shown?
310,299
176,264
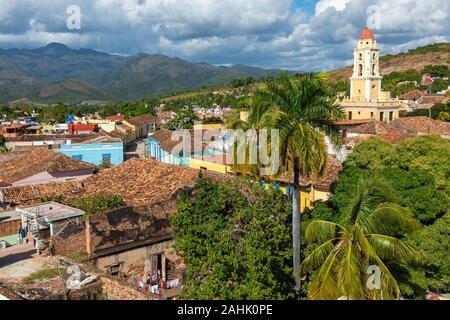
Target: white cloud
338,5
267,33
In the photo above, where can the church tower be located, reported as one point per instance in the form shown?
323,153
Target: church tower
366,80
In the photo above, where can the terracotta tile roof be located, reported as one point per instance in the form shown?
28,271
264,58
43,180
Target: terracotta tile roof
141,120
18,166
76,138
351,122
320,183
384,131
102,139
422,125
412,95
118,117
164,137
29,148
142,182
372,127
4,184
35,193
434,99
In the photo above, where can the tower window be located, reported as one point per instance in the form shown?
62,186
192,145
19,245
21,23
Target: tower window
374,56
373,69
360,70
360,56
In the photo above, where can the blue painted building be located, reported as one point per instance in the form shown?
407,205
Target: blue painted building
155,150
95,153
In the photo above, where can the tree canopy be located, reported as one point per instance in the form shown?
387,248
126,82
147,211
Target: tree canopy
417,171
236,242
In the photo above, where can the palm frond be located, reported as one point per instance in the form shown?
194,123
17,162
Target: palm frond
320,231
316,258
390,248
389,216
350,282
389,288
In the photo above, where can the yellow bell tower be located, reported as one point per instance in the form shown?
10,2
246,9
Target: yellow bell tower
367,101
365,83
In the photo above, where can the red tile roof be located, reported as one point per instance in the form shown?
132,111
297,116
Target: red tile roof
18,166
142,182
118,117
141,120
422,125
412,95
164,137
35,193
367,34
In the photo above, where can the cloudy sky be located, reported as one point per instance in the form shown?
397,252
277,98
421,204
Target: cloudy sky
310,35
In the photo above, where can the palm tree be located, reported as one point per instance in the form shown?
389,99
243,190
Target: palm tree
366,236
303,112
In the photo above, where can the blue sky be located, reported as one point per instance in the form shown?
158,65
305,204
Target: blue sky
308,35
307,5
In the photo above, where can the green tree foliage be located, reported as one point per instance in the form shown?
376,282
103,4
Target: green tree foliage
417,171
136,108
391,81
437,70
434,241
444,116
436,110
236,241
2,144
96,204
367,234
184,119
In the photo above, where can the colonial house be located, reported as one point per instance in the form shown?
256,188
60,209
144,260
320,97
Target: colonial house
162,147
397,130
100,150
41,166
141,125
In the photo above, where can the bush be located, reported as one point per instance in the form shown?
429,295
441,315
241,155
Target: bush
97,203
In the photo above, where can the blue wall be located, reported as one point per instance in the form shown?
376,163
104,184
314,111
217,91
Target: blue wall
156,151
95,153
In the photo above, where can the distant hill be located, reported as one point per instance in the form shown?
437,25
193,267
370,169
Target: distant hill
416,59
58,73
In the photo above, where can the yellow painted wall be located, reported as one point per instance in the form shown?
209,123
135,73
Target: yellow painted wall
108,127
367,114
209,166
48,127
307,199
244,116
208,126
374,89
359,90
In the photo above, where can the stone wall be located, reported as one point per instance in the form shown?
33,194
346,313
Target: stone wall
115,289
71,240
126,226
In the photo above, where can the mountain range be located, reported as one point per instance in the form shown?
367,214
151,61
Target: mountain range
58,73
